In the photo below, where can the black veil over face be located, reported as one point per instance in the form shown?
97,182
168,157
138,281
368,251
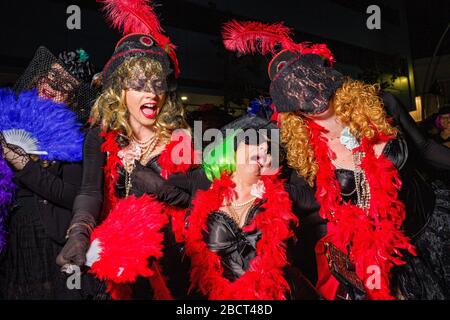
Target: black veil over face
304,84
53,80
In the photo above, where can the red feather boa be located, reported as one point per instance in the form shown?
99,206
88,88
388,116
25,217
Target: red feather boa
375,236
121,264
264,279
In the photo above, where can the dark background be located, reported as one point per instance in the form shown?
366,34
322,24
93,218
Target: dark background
397,56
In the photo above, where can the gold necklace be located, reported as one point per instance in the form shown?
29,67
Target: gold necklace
238,217
130,168
149,151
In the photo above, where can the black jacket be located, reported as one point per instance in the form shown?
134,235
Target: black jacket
52,190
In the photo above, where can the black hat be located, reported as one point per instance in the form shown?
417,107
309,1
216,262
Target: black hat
136,45
64,83
78,64
249,121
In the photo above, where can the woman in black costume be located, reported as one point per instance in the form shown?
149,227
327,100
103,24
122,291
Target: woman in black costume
41,213
350,118
135,246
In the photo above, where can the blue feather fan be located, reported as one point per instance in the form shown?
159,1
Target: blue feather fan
53,126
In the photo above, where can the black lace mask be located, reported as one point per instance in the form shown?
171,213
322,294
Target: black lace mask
305,85
140,81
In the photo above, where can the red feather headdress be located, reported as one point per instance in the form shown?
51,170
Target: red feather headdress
249,37
138,16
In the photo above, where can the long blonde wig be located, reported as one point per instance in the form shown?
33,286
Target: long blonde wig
110,110
357,105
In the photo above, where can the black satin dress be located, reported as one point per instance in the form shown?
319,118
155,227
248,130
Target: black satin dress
236,247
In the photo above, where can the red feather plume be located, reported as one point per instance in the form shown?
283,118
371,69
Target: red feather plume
132,16
249,37
255,37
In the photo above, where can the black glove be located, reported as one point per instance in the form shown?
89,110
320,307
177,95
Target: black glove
145,181
79,233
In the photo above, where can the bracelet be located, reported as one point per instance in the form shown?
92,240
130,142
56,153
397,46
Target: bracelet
78,224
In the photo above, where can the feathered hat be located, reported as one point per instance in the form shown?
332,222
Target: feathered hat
142,36
301,73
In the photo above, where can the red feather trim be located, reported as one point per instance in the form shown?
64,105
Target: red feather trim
249,37
112,149
122,291
180,149
375,235
178,155
138,16
176,216
118,291
264,279
130,235
158,283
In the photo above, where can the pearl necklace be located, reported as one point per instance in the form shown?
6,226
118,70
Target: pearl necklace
142,144
243,204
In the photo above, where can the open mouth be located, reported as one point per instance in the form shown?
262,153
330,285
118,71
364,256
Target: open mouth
45,91
148,110
48,94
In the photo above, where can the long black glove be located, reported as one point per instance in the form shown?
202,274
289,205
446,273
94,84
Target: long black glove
432,152
79,234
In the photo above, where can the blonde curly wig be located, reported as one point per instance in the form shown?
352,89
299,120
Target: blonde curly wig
110,110
357,105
